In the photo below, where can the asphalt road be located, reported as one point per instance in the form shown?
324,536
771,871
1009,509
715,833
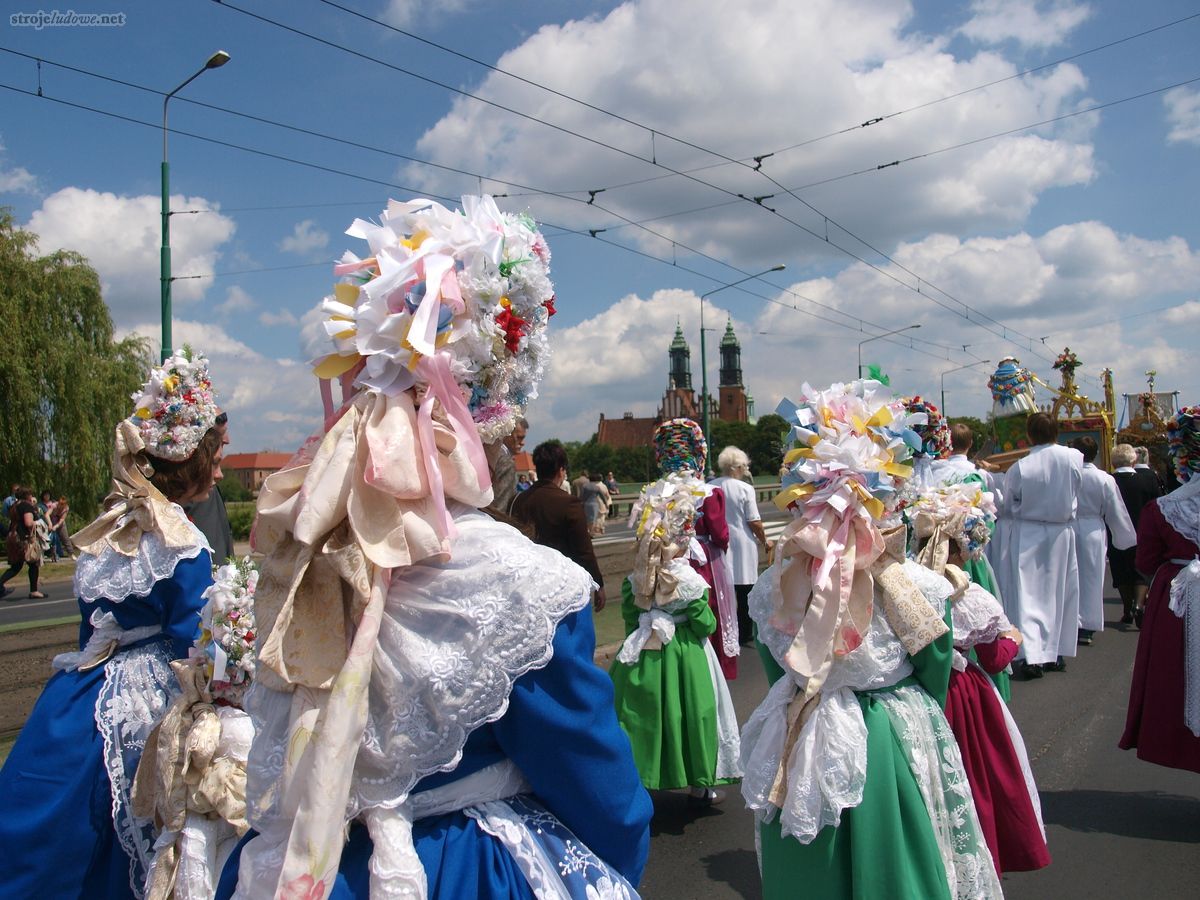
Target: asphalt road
1116,826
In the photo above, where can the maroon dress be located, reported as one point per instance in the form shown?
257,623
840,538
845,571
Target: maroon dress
1154,723
1006,814
713,533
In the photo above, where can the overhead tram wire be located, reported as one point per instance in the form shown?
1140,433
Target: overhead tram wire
1002,333
860,327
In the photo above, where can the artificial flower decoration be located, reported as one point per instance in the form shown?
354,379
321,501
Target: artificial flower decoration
668,508
1183,442
460,295
1067,361
176,406
965,508
928,421
1012,388
679,444
227,630
850,449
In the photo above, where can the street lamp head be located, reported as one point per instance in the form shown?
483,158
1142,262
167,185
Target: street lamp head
778,268
217,60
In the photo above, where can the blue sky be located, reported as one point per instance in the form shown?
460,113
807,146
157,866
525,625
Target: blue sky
1082,230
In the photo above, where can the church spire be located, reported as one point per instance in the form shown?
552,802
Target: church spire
731,358
680,374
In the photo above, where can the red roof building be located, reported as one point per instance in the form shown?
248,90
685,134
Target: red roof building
251,469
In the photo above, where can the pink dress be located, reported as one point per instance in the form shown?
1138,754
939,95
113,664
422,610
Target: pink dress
713,533
1154,724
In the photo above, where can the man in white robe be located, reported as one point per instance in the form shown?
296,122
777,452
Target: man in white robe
1038,572
1100,507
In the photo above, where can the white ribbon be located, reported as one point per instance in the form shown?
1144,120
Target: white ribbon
1185,603
654,622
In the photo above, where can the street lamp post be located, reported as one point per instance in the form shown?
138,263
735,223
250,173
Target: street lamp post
878,337
703,357
215,61
978,362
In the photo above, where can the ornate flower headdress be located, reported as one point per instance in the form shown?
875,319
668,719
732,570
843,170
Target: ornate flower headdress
1012,388
680,444
927,421
445,295
176,406
1183,437
962,512
850,448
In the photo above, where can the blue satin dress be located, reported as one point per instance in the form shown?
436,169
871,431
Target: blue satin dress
56,799
561,731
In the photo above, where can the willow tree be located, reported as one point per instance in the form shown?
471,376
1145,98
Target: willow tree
64,379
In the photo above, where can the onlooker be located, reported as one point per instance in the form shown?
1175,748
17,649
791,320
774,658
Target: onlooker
1150,483
746,533
578,483
210,514
596,501
503,467
58,524
522,483
614,488
46,506
22,520
1100,509
556,517
1130,584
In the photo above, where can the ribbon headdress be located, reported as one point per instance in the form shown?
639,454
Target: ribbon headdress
962,512
849,457
438,341
679,444
664,518
171,414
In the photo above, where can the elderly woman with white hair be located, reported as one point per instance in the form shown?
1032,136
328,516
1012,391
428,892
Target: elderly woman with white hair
745,531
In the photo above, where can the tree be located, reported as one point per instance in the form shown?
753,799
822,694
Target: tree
980,432
64,380
232,491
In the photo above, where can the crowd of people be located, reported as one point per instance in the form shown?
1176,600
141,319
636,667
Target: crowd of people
35,533
401,700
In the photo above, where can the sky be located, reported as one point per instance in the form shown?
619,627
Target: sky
1043,193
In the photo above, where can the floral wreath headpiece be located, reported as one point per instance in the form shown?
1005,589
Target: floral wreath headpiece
1183,442
445,298
933,428
680,444
963,509
176,406
850,447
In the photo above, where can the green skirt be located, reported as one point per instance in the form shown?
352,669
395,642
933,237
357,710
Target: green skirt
665,704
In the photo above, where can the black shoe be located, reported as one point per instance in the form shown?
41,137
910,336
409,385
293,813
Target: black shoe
709,798
1085,637
1059,665
1030,672
1127,619
1138,616
4,592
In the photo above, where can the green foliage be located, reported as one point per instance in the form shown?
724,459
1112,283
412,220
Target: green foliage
232,491
762,442
65,381
628,464
241,518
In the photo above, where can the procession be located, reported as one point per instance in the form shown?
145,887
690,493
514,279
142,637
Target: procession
399,546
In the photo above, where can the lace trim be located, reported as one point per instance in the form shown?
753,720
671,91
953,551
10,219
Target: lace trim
729,748
978,618
454,638
115,577
1181,509
138,687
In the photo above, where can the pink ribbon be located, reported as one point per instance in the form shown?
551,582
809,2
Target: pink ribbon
436,371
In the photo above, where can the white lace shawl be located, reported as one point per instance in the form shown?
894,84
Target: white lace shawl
827,770
1181,509
978,618
115,576
454,638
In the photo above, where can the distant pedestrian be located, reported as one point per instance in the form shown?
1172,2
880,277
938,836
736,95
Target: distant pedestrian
1128,581
595,503
746,533
22,544
614,488
522,483
1150,480
577,484
209,514
58,522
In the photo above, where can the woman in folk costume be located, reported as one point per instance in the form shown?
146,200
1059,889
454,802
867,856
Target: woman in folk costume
428,718
934,445
850,766
679,446
192,776
66,820
1163,721
671,697
952,523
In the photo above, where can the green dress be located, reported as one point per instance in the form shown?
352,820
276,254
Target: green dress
980,572
666,703
886,845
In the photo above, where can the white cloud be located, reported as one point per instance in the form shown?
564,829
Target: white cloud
272,403
277,318
121,236
15,179
751,92
236,300
305,239
1183,115
1034,23
1067,284
404,13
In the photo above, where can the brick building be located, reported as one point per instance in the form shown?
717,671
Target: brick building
251,469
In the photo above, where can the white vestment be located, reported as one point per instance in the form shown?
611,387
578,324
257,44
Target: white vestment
741,508
1100,505
1038,572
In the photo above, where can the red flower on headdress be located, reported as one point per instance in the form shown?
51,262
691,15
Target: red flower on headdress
513,326
549,304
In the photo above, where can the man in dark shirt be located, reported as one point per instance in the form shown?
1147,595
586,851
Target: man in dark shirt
556,517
